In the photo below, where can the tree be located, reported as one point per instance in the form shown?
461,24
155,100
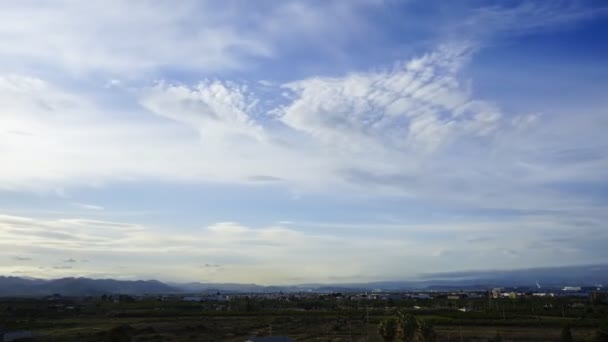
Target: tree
407,327
566,335
426,332
410,329
388,329
602,333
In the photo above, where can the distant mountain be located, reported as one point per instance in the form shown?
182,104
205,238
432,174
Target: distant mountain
546,277
585,275
214,287
14,286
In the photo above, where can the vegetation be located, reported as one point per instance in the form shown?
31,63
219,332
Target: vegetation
566,335
407,328
602,332
329,317
388,329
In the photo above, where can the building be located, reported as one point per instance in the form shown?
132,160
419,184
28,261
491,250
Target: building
496,292
421,296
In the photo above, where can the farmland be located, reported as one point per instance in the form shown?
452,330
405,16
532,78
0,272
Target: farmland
330,317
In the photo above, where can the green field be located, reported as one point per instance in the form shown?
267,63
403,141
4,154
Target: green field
319,319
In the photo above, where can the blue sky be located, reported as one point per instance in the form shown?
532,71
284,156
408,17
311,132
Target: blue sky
301,141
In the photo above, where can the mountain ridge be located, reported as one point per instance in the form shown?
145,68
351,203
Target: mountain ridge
548,277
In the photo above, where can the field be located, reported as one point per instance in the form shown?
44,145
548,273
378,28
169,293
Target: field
322,318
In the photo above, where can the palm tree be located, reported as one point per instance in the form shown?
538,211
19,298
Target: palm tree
407,327
388,329
410,329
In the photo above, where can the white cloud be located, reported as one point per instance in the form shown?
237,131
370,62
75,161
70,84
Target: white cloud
277,254
416,107
123,37
216,109
128,39
88,206
415,130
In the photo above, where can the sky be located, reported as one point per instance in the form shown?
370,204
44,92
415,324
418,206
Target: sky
289,142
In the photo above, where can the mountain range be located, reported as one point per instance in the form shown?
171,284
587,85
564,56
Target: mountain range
547,277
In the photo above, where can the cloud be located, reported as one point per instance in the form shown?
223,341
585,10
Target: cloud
88,206
330,123
418,106
62,267
87,37
266,254
526,17
192,35
217,109
21,258
265,179
415,130
239,98
207,37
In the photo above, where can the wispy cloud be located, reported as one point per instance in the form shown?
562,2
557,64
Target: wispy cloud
88,206
62,267
193,35
526,17
267,254
22,258
395,131
187,94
